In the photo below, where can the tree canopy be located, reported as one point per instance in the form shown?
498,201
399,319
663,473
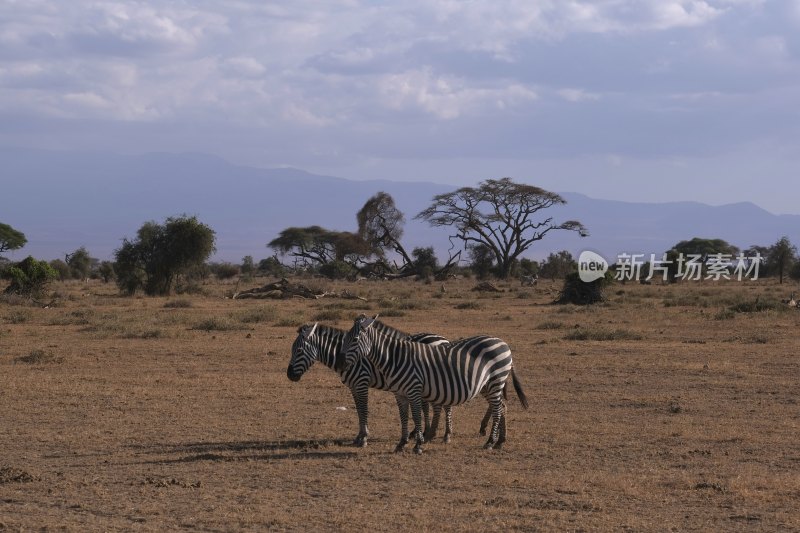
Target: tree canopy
500,214
162,252
380,223
705,247
318,246
11,239
781,256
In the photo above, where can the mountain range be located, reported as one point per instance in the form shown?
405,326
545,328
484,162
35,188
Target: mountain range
64,200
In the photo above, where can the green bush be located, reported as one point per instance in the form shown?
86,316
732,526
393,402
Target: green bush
576,291
337,270
29,277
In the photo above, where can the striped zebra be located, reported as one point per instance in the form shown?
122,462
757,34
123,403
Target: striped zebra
448,374
323,343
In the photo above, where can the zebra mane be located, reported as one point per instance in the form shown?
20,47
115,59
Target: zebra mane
388,330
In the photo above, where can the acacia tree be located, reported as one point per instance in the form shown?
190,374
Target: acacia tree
161,253
11,239
318,246
500,214
696,246
380,226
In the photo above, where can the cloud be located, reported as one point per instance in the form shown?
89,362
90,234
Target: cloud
447,97
352,80
577,95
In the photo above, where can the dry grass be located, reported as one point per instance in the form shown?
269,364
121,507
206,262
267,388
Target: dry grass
163,416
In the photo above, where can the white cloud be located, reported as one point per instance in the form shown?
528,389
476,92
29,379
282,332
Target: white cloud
244,66
446,97
577,95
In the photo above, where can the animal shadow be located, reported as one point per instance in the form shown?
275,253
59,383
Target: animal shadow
189,452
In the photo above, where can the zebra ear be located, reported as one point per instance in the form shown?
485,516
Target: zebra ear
369,321
307,331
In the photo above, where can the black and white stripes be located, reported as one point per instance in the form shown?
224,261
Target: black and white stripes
322,343
448,374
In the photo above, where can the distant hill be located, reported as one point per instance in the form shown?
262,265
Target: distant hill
64,200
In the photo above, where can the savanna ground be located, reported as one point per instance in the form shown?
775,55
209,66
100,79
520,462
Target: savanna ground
665,408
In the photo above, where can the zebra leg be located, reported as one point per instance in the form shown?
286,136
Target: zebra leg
502,430
415,399
496,404
402,406
485,421
430,431
361,398
448,424
426,416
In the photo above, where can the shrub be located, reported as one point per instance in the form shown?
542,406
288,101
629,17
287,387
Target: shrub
255,315
63,270
329,314
337,270
602,335
576,291
39,357
179,303
216,324
757,306
225,270
29,277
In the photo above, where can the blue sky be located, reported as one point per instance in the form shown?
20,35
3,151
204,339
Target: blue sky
649,100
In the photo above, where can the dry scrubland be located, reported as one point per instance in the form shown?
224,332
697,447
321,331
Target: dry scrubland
663,409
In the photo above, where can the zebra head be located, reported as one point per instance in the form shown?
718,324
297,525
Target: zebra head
357,343
304,353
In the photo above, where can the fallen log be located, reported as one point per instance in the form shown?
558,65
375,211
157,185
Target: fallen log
284,289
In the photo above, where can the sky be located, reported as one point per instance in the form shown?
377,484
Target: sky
649,100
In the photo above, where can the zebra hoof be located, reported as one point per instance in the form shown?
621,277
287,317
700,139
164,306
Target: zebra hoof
488,446
418,450
400,448
446,439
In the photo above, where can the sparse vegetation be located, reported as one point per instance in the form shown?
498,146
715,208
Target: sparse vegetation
39,357
178,303
588,334
201,384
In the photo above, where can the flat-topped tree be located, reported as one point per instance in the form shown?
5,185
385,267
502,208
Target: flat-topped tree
503,215
11,239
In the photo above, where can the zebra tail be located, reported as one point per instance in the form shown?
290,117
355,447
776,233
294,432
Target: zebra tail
518,387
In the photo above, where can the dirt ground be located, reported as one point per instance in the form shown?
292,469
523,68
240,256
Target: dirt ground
664,408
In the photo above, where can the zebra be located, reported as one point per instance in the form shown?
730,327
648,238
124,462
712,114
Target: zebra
323,343
531,280
445,374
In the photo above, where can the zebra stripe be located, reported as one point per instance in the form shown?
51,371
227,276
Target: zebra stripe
323,343
446,374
